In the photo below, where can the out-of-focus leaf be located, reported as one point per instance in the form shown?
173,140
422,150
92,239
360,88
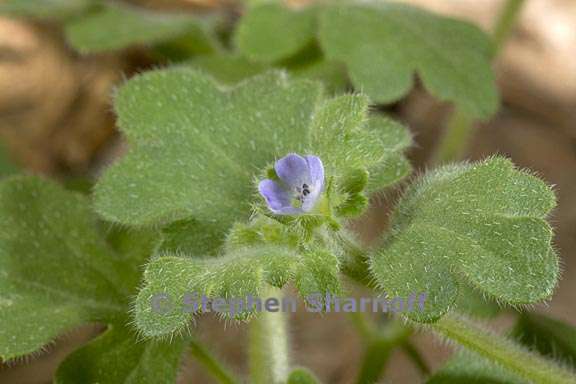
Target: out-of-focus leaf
384,43
7,166
302,376
271,32
118,357
550,337
49,9
469,368
117,26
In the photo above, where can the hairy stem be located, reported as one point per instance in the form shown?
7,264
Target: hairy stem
268,350
460,127
530,366
210,363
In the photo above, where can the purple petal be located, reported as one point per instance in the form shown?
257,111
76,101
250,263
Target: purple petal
317,177
277,197
316,170
293,170
288,211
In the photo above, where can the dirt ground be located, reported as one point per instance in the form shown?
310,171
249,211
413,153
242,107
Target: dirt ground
55,118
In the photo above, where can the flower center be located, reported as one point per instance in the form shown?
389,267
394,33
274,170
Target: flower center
301,193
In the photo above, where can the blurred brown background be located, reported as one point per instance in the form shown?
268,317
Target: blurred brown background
56,119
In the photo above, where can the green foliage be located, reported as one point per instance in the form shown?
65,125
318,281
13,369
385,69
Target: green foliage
475,304
317,273
51,9
231,68
195,147
7,166
238,274
117,357
374,144
451,57
270,32
190,238
227,68
46,233
469,368
59,272
113,27
482,223
548,336
302,376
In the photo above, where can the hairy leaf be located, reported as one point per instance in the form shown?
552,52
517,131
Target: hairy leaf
385,43
119,26
317,274
190,238
480,224
196,148
174,284
345,138
57,272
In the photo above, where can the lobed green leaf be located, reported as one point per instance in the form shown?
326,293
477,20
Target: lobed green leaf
196,147
481,224
58,272
451,57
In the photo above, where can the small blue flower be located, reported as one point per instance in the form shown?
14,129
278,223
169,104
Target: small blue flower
301,182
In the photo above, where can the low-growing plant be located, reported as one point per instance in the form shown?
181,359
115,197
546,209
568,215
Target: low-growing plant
248,157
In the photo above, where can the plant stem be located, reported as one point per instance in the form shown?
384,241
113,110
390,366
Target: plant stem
460,127
416,358
268,348
530,366
454,142
505,22
210,363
